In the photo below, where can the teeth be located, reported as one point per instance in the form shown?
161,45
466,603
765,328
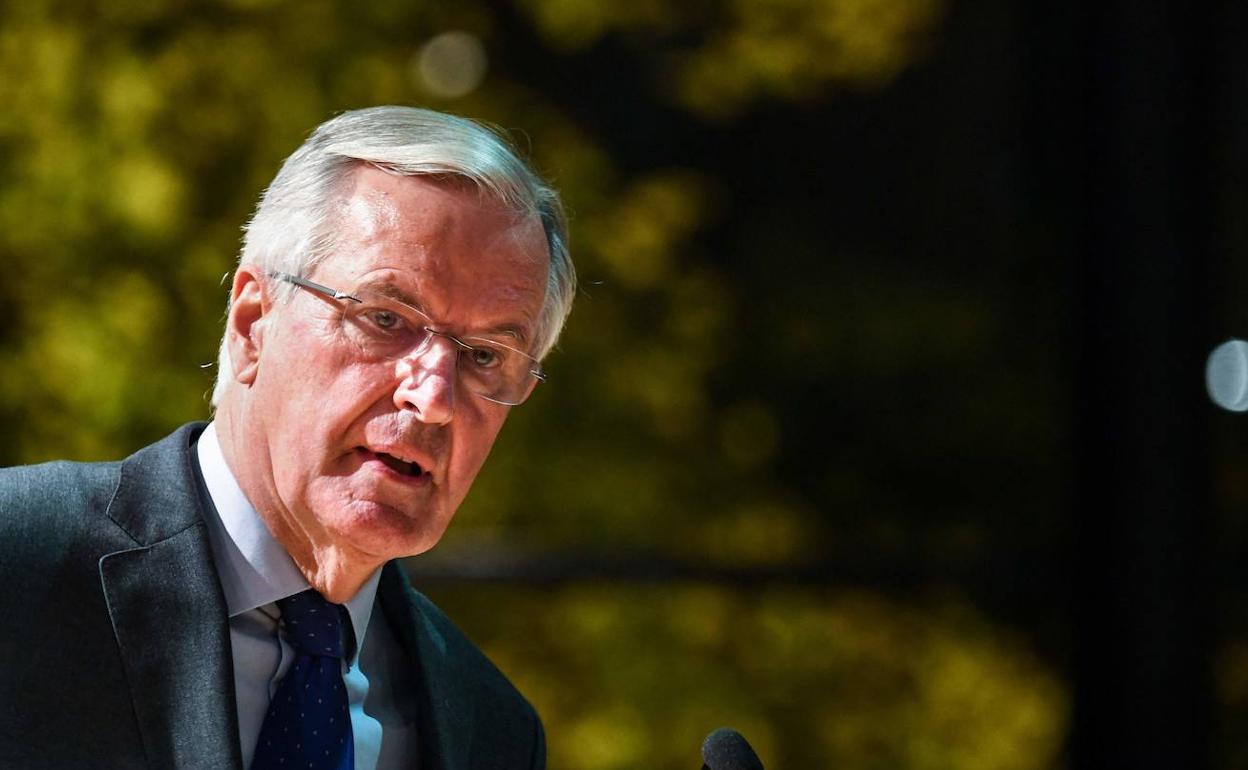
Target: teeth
400,465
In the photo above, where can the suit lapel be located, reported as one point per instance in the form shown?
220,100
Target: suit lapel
169,615
445,715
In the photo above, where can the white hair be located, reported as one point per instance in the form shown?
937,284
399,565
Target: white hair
293,228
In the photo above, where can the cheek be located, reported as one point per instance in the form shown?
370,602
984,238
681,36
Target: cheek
326,379
316,410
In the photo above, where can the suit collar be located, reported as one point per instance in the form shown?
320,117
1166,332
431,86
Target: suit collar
445,715
168,611
156,496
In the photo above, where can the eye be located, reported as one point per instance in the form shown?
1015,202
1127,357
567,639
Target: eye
384,320
485,358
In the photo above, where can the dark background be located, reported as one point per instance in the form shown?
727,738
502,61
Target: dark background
878,431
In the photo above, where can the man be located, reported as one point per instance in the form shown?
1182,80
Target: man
401,280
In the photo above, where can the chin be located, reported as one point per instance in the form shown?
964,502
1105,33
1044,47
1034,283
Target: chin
387,532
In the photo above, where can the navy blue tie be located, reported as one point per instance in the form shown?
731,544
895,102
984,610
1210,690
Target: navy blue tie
308,724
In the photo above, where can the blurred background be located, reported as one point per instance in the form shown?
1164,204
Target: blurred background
878,430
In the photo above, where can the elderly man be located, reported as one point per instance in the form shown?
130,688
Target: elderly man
227,597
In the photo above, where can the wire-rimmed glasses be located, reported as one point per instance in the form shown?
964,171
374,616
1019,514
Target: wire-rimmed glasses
383,328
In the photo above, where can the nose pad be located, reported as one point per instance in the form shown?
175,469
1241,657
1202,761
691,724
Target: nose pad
427,382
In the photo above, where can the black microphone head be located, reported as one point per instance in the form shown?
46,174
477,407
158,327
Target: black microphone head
726,749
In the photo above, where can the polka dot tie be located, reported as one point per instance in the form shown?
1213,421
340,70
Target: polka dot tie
307,724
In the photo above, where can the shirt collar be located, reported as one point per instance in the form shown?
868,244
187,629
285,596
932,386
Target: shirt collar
255,570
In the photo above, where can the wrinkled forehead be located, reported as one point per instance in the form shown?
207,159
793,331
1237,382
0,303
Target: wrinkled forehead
374,203
372,212
443,238
379,199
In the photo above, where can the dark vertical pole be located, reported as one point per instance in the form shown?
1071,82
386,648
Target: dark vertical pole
1145,123
1125,114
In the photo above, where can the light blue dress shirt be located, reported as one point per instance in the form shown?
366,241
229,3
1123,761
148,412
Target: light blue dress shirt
255,572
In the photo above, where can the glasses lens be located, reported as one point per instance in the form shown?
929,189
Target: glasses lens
494,370
384,328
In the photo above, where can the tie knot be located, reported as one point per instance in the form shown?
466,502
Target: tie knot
313,625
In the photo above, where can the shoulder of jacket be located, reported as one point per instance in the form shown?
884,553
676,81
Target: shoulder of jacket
57,486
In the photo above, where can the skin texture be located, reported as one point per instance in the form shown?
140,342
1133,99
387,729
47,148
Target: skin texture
304,416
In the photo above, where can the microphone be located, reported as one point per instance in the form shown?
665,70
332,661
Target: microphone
726,749
1226,375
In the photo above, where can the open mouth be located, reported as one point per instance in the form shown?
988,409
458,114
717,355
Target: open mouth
397,465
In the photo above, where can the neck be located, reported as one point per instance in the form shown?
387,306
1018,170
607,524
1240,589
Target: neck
327,570
335,570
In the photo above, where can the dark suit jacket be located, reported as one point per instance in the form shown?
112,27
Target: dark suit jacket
115,646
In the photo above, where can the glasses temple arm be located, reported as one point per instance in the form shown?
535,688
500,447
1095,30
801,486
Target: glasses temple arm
314,286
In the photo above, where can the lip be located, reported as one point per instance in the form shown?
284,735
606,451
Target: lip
403,451
369,457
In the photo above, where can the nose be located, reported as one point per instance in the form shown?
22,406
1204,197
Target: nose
427,383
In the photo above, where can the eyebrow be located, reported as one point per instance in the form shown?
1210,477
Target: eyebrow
390,291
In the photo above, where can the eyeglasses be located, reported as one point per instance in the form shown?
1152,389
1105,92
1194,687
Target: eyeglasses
382,328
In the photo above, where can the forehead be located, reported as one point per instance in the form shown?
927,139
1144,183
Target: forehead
466,257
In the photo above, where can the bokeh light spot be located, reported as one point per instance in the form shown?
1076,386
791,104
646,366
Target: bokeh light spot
452,64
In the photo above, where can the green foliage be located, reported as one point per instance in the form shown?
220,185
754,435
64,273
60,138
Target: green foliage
636,676
752,49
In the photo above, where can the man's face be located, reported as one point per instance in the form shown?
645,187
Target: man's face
374,456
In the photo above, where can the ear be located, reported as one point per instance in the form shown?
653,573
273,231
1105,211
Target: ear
244,325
